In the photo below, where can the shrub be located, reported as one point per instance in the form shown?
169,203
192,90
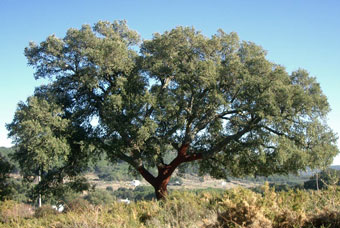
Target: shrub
123,193
329,219
13,211
99,197
6,186
233,208
78,205
45,210
176,181
243,208
109,188
143,193
326,178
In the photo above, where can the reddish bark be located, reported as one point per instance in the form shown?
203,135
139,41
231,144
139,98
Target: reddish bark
160,182
161,189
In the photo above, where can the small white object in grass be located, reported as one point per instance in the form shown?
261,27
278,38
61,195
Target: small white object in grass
135,183
59,208
127,201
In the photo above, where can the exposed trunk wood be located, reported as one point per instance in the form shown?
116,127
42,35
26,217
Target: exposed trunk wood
165,171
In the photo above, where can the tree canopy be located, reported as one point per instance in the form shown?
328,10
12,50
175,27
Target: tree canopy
5,185
215,100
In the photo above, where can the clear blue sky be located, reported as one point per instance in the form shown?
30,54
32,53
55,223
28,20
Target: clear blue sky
296,34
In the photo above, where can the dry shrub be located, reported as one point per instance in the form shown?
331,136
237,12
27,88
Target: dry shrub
78,205
292,209
288,218
242,208
236,208
45,210
329,219
181,209
13,211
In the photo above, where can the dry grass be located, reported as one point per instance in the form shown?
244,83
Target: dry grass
235,208
11,211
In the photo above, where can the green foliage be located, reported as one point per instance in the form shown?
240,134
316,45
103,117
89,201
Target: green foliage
42,136
8,154
176,181
4,151
54,191
182,97
123,193
137,194
39,131
107,171
6,185
20,191
290,180
326,178
143,193
99,197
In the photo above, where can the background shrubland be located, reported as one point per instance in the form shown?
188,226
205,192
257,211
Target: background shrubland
237,207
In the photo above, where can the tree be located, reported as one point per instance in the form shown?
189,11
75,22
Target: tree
327,177
217,101
6,153
6,187
42,134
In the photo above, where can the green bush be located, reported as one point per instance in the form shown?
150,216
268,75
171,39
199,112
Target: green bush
99,197
6,185
109,188
325,178
123,193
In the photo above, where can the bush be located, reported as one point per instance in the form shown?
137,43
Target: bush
176,181
6,186
143,193
45,210
77,205
243,208
329,219
99,197
326,178
233,208
13,211
137,194
109,188
123,193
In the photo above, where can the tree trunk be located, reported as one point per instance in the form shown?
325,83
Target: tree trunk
39,199
165,171
161,189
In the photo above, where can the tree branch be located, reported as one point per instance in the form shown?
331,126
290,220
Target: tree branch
147,175
219,146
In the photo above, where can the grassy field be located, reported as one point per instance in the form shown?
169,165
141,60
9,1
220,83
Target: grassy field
237,207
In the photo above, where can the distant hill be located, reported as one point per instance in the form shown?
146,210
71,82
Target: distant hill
337,167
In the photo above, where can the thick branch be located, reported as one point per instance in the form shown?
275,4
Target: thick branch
147,175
